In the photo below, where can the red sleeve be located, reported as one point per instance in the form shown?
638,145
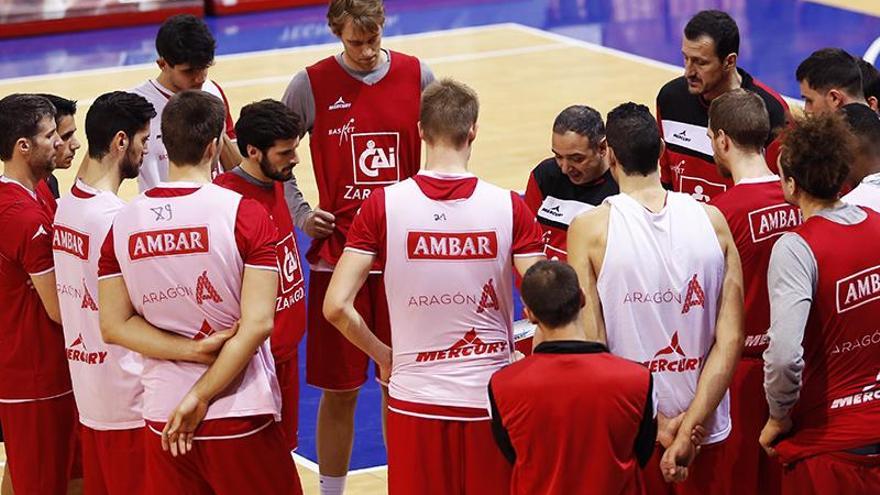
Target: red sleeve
368,230
108,264
534,197
32,237
526,232
230,123
255,235
772,155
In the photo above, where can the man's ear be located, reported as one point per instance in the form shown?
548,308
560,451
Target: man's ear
529,315
583,297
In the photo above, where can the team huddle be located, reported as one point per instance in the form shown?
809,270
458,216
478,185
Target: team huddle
702,283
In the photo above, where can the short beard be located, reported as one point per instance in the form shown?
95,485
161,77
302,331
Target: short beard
266,168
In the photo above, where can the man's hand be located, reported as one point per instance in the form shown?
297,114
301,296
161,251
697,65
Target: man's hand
675,461
179,431
319,224
667,429
208,348
773,432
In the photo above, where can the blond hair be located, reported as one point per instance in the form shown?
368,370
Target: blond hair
449,111
367,16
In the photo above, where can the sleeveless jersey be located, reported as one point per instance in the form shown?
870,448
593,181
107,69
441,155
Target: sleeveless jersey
183,271
757,215
659,286
364,137
106,378
839,404
155,167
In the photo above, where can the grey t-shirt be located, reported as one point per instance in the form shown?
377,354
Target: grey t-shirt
791,281
299,98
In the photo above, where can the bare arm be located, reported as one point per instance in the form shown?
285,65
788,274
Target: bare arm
121,325
45,286
586,250
523,263
348,277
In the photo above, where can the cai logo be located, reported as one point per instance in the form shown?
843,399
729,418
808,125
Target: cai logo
374,157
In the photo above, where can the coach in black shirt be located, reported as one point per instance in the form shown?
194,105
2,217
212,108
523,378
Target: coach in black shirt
571,417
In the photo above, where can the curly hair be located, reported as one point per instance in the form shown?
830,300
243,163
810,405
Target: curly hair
817,152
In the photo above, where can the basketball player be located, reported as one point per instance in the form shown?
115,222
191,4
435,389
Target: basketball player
821,366
830,79
37,408
185,47
870,84
548,407
864,172
360,108
575,180
191,257
664,284
448,277
757,215
268,135
710,47
65,112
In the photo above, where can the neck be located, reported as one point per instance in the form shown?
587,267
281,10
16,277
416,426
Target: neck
189,173
21,172
446,159
748,166
101,174
849,100
647,190
165,82
571,331
733,81
811,206
253,169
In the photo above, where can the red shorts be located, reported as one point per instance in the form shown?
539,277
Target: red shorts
442,457
753,470
288,382
710,473
41,442
332,362
836,472
113,461
258,462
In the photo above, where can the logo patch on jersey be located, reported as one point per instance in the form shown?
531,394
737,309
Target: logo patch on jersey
87,301
694,296
469,345
774,221
869,393
489,299
700,189
170,242
204,332
673,364
858,289
40,231
451,246
205,290
374,157
288,264
77,351
343,132
682,136
561,211
339,105
70,241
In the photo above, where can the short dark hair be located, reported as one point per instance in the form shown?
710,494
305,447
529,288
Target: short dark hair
190,121
817,152
113,112
583,121
865,126
718,26
63,106
551,291
870,79
20,117
186,39
831,68
449,110
264,122
743,116
632,133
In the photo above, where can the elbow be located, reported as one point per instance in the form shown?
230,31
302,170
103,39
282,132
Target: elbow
334,311
263,328
55,315
108,331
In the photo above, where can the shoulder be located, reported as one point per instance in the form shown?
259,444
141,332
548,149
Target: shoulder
513,373
591,226
777,108
672,91
228,180
547,172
